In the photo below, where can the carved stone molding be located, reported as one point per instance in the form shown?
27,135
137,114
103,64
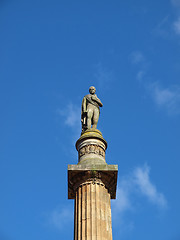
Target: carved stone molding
106,178
92,148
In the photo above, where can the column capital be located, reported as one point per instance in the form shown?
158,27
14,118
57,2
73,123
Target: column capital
105,174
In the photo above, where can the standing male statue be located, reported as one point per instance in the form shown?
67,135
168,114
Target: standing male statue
90,110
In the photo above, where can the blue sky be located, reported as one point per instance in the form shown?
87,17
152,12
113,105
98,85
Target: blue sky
50,53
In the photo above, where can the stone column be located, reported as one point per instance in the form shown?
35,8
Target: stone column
92,183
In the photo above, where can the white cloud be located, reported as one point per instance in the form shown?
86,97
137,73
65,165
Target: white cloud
71,114
137,57
163,22
147,188
61,217
140,75
162,28
168,98
122,202
136,183
103,76
176,3
176,26
133,186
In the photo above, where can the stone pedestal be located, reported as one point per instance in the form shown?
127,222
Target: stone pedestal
92,183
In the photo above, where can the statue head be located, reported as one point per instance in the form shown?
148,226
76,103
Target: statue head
92,90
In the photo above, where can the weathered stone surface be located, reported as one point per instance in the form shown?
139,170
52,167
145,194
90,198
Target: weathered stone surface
92,183
78,174
90,110
91,147
92,212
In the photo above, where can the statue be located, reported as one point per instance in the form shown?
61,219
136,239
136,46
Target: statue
90,110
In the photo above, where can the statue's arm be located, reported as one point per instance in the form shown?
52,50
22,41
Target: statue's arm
95,98
100,103
84,108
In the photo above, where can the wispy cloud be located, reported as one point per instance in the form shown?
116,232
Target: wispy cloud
168,98
122,202
60,217
136,184
140,75
176,3
162,28
176,23
163,22
71,114
165,27
176,26
103,76
137,57
147,188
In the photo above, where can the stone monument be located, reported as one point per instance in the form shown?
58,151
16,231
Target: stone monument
90,110
92,182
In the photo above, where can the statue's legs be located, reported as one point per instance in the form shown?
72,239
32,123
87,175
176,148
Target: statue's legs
95,117
89,117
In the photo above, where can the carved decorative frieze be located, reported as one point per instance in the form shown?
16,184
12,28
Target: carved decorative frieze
91,149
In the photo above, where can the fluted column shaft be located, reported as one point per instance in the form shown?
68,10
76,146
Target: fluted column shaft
92,212
92,183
